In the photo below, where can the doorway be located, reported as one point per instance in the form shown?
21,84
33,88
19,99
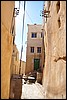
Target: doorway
36,64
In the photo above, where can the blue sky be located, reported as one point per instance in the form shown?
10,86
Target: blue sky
32,16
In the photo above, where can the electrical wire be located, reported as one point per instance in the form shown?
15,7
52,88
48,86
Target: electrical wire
35,26
30,18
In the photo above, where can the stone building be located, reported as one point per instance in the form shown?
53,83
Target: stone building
54,28
7,8
23,66
34,52
15,61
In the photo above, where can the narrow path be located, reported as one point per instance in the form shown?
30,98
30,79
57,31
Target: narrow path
32,91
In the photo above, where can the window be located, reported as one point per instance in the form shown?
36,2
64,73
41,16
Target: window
32,49
58,6
38,49
34,35
59,22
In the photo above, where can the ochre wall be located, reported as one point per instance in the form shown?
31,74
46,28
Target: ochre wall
54,73
15,60
6,46
23,66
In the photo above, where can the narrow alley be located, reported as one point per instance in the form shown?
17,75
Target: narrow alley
33,49
32,91
26,87
32,86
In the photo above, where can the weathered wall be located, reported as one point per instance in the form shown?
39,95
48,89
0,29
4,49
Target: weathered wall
23,66
6,46
15,61
34,42
54,74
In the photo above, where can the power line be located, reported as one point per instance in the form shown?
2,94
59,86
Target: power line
35,26
29,16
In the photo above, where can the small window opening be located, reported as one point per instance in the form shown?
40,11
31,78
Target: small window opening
59,23
34,35
32,49
58,6
38,49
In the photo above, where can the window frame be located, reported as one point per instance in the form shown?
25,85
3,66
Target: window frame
34,35
32,49
38,49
